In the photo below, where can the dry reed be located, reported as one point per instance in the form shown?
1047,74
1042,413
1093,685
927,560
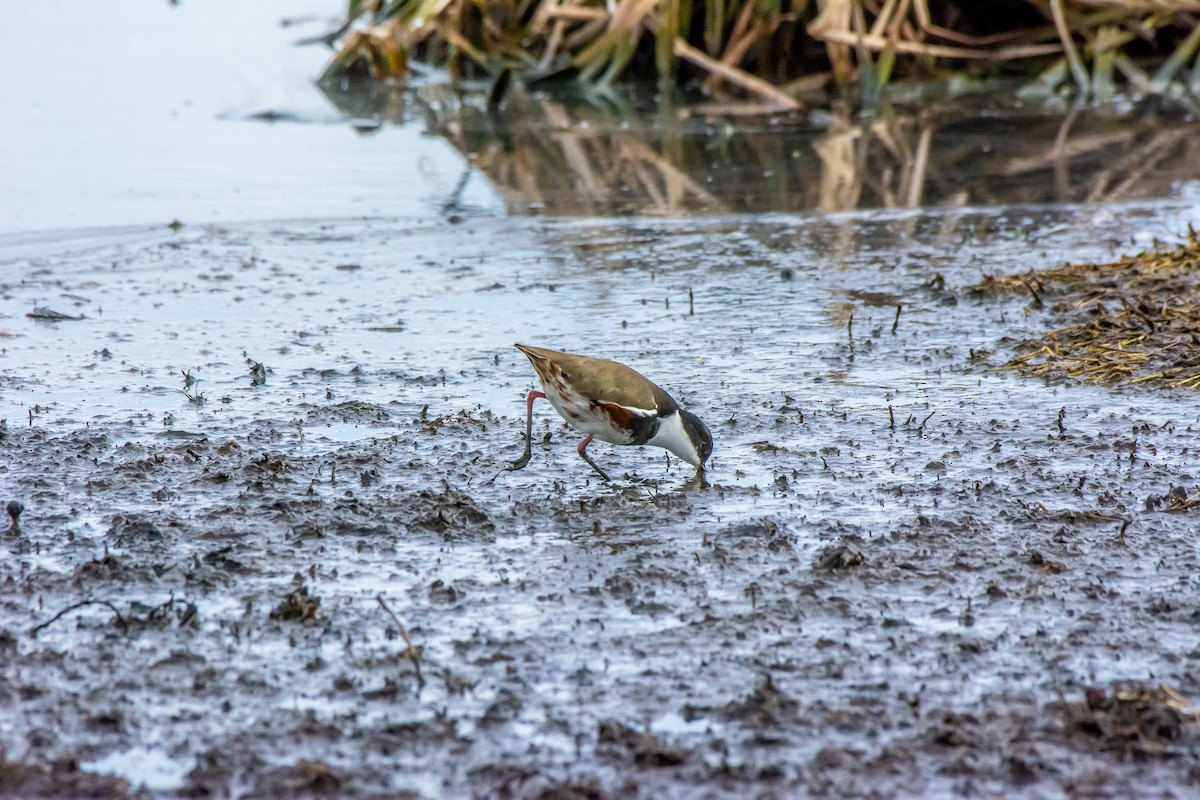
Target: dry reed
780,52
1140,319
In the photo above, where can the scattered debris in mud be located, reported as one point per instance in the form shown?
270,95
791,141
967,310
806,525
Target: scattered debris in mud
641,748
61,778
765,707
844,555
298,605
1139,318
1133,720
1177,498
305,778
353,412
449,512
309,585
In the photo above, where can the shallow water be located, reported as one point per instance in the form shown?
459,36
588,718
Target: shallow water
155,112
1011,558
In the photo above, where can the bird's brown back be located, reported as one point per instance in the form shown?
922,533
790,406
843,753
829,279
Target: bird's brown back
601,380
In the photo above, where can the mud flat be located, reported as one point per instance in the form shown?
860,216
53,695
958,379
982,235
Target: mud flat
913,573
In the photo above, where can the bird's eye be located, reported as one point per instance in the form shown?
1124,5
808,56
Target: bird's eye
564,375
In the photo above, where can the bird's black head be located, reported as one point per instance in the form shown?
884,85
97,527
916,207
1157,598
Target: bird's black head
697,433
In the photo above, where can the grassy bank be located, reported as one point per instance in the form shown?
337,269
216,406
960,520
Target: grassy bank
1132,321
777,53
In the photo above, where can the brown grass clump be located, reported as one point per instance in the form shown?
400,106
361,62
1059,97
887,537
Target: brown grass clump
778,52
1142,319
1133,720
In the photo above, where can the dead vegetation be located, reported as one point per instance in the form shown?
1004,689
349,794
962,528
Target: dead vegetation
1133,720
642,748
781,54
62,778
297,606
1139,319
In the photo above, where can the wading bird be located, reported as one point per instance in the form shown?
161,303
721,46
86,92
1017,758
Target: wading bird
613,403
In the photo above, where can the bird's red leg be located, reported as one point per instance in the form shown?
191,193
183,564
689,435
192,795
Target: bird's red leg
583,454
524,459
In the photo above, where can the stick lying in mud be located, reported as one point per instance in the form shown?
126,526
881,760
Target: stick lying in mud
120,620
412,652
921,427
51,314
1037,301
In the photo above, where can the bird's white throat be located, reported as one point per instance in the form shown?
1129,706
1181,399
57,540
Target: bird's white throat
672,435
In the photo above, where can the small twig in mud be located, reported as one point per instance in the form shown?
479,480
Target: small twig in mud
691,303
1037,301
33,632
14,509
896,321
50,314
161,610
850,331
412,651
258,373
891,418
1062,429
921,427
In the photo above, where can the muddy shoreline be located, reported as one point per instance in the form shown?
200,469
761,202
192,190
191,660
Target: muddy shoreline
864,603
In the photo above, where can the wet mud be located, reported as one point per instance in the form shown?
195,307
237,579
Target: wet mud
262,553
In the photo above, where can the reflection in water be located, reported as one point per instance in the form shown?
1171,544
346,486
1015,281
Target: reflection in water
550,157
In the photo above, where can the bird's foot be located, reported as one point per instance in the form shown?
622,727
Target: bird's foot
514,465
518,464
